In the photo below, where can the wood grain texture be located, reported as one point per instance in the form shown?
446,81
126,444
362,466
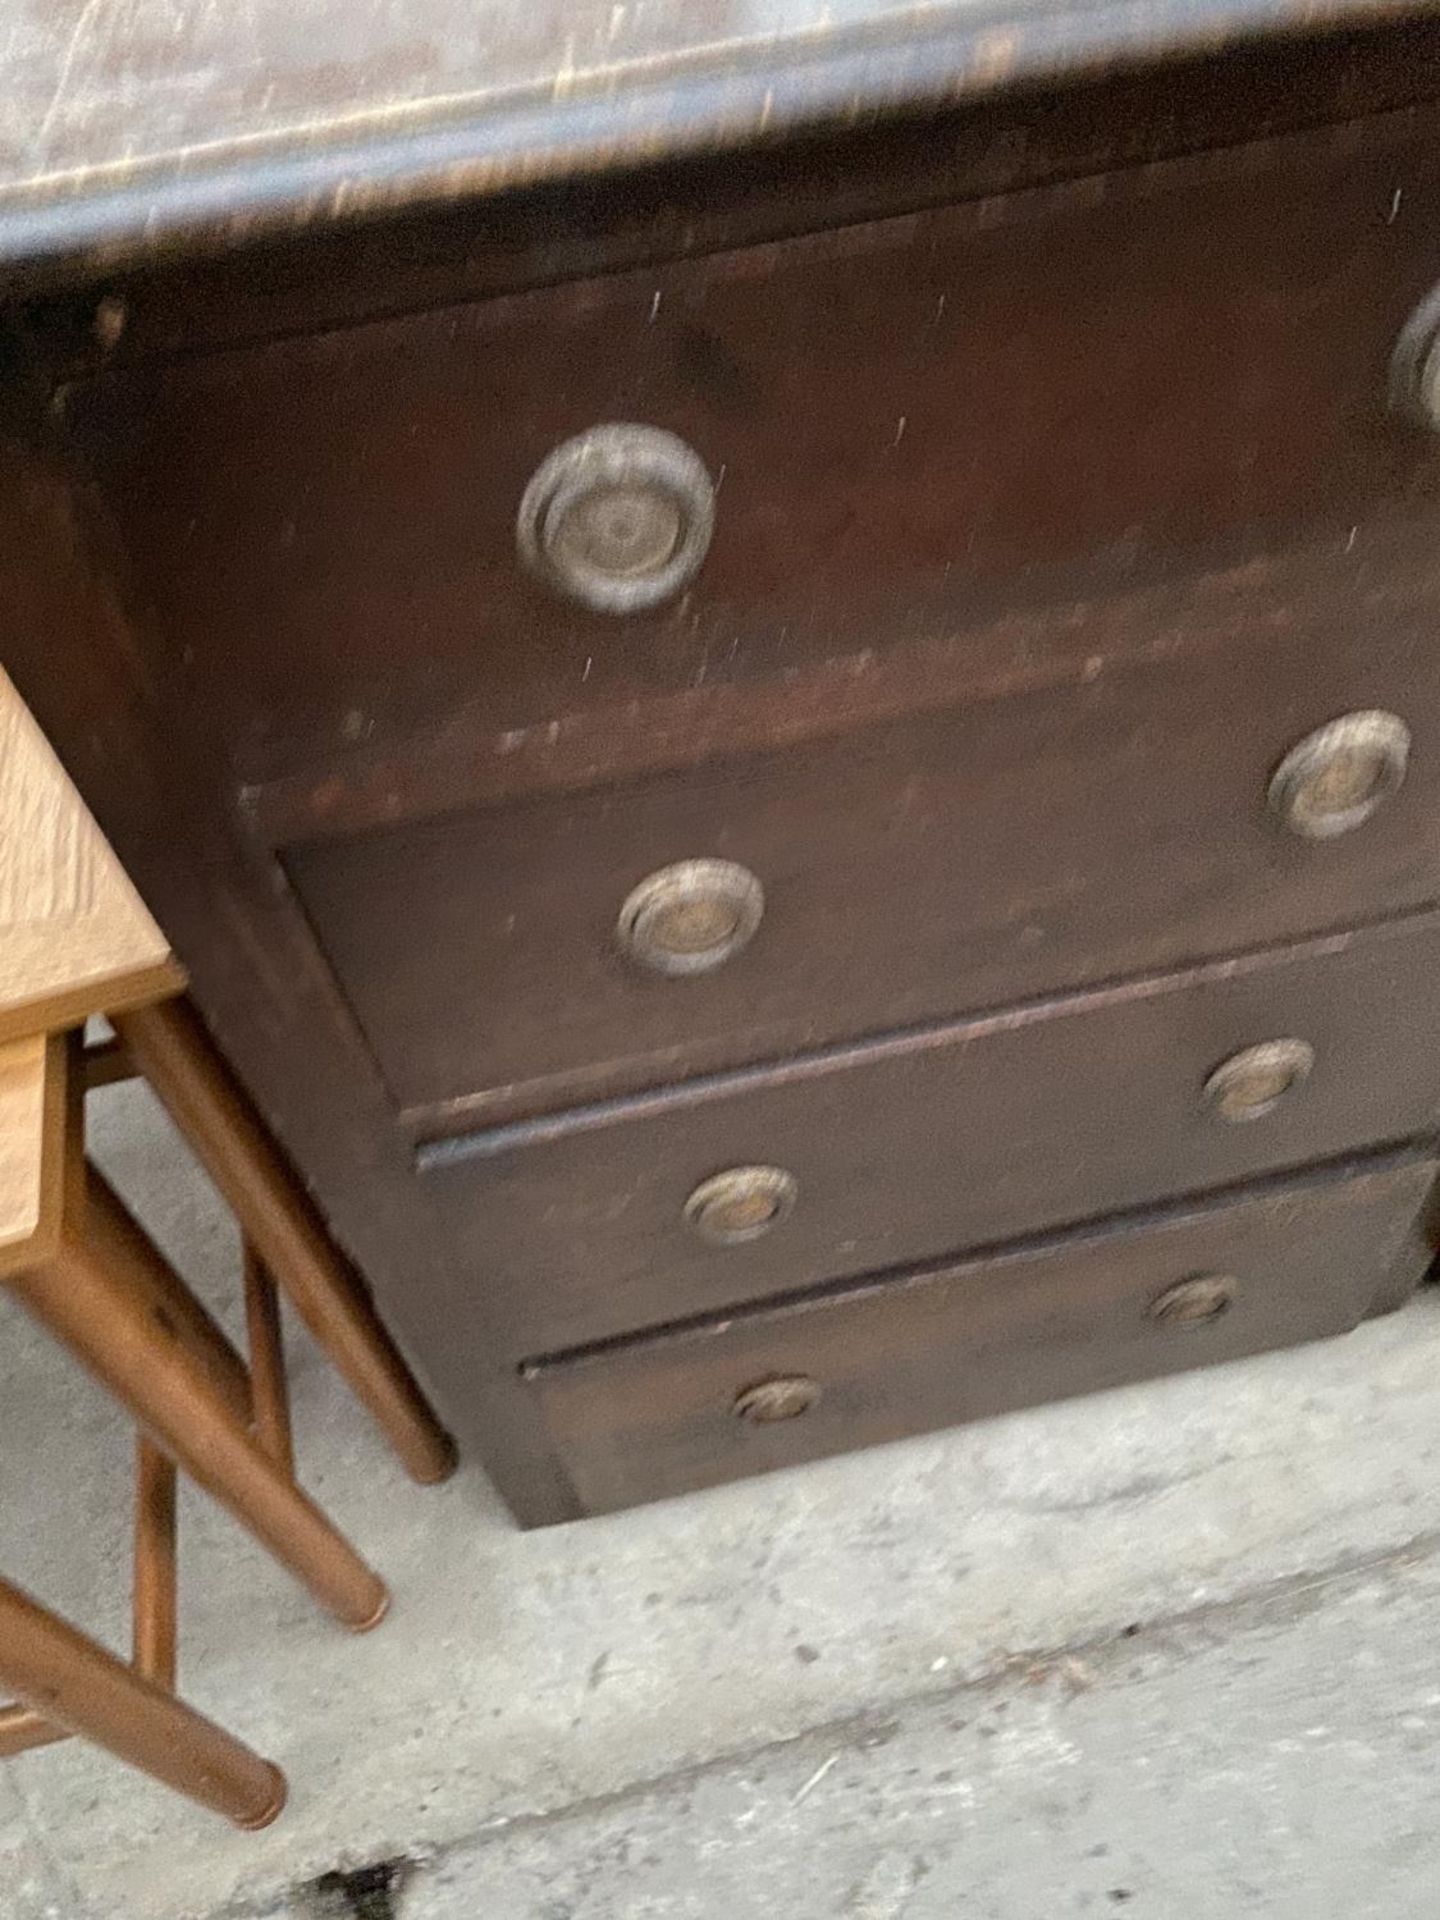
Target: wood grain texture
972,1338
669,209
33,1113
125,129
75,937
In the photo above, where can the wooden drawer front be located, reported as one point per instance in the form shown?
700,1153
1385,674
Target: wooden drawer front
1069,1315
941,1138
1025,397
956,859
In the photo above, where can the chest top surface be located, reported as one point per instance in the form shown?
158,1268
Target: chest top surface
130,124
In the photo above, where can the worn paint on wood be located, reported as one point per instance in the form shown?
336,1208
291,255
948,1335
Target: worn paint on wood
123,127
264,573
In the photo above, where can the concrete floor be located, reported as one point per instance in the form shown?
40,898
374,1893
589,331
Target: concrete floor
1169,1651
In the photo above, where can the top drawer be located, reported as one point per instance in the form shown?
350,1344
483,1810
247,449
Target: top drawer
1015,399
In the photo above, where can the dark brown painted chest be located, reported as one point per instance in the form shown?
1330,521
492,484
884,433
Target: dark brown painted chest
803,769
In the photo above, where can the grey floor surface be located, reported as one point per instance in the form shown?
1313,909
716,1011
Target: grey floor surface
1170,1652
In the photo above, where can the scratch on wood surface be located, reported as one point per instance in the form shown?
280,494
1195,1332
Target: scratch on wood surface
88,14
124,123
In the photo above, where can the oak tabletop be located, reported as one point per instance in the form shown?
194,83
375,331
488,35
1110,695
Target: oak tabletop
75,937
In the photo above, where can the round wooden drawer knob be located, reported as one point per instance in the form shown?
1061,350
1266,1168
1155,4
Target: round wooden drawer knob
740,1204
1254,1081
1195,1302
1415,368
785,1397
691,917
1335,778
617,519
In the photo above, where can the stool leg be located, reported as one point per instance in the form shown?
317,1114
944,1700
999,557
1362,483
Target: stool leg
83,1689
92,1295
153,1599
170,1304
22,1728
267,1363
175,1054
156,1627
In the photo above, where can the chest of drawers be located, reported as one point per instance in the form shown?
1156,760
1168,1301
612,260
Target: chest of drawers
806,775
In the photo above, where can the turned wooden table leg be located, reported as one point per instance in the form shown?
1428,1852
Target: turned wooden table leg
93,1294
172,1050
80,1688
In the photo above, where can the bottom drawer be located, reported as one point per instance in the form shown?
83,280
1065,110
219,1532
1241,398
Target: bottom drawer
1072,1313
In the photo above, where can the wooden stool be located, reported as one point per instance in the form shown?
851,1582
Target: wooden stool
62,1231
75,940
